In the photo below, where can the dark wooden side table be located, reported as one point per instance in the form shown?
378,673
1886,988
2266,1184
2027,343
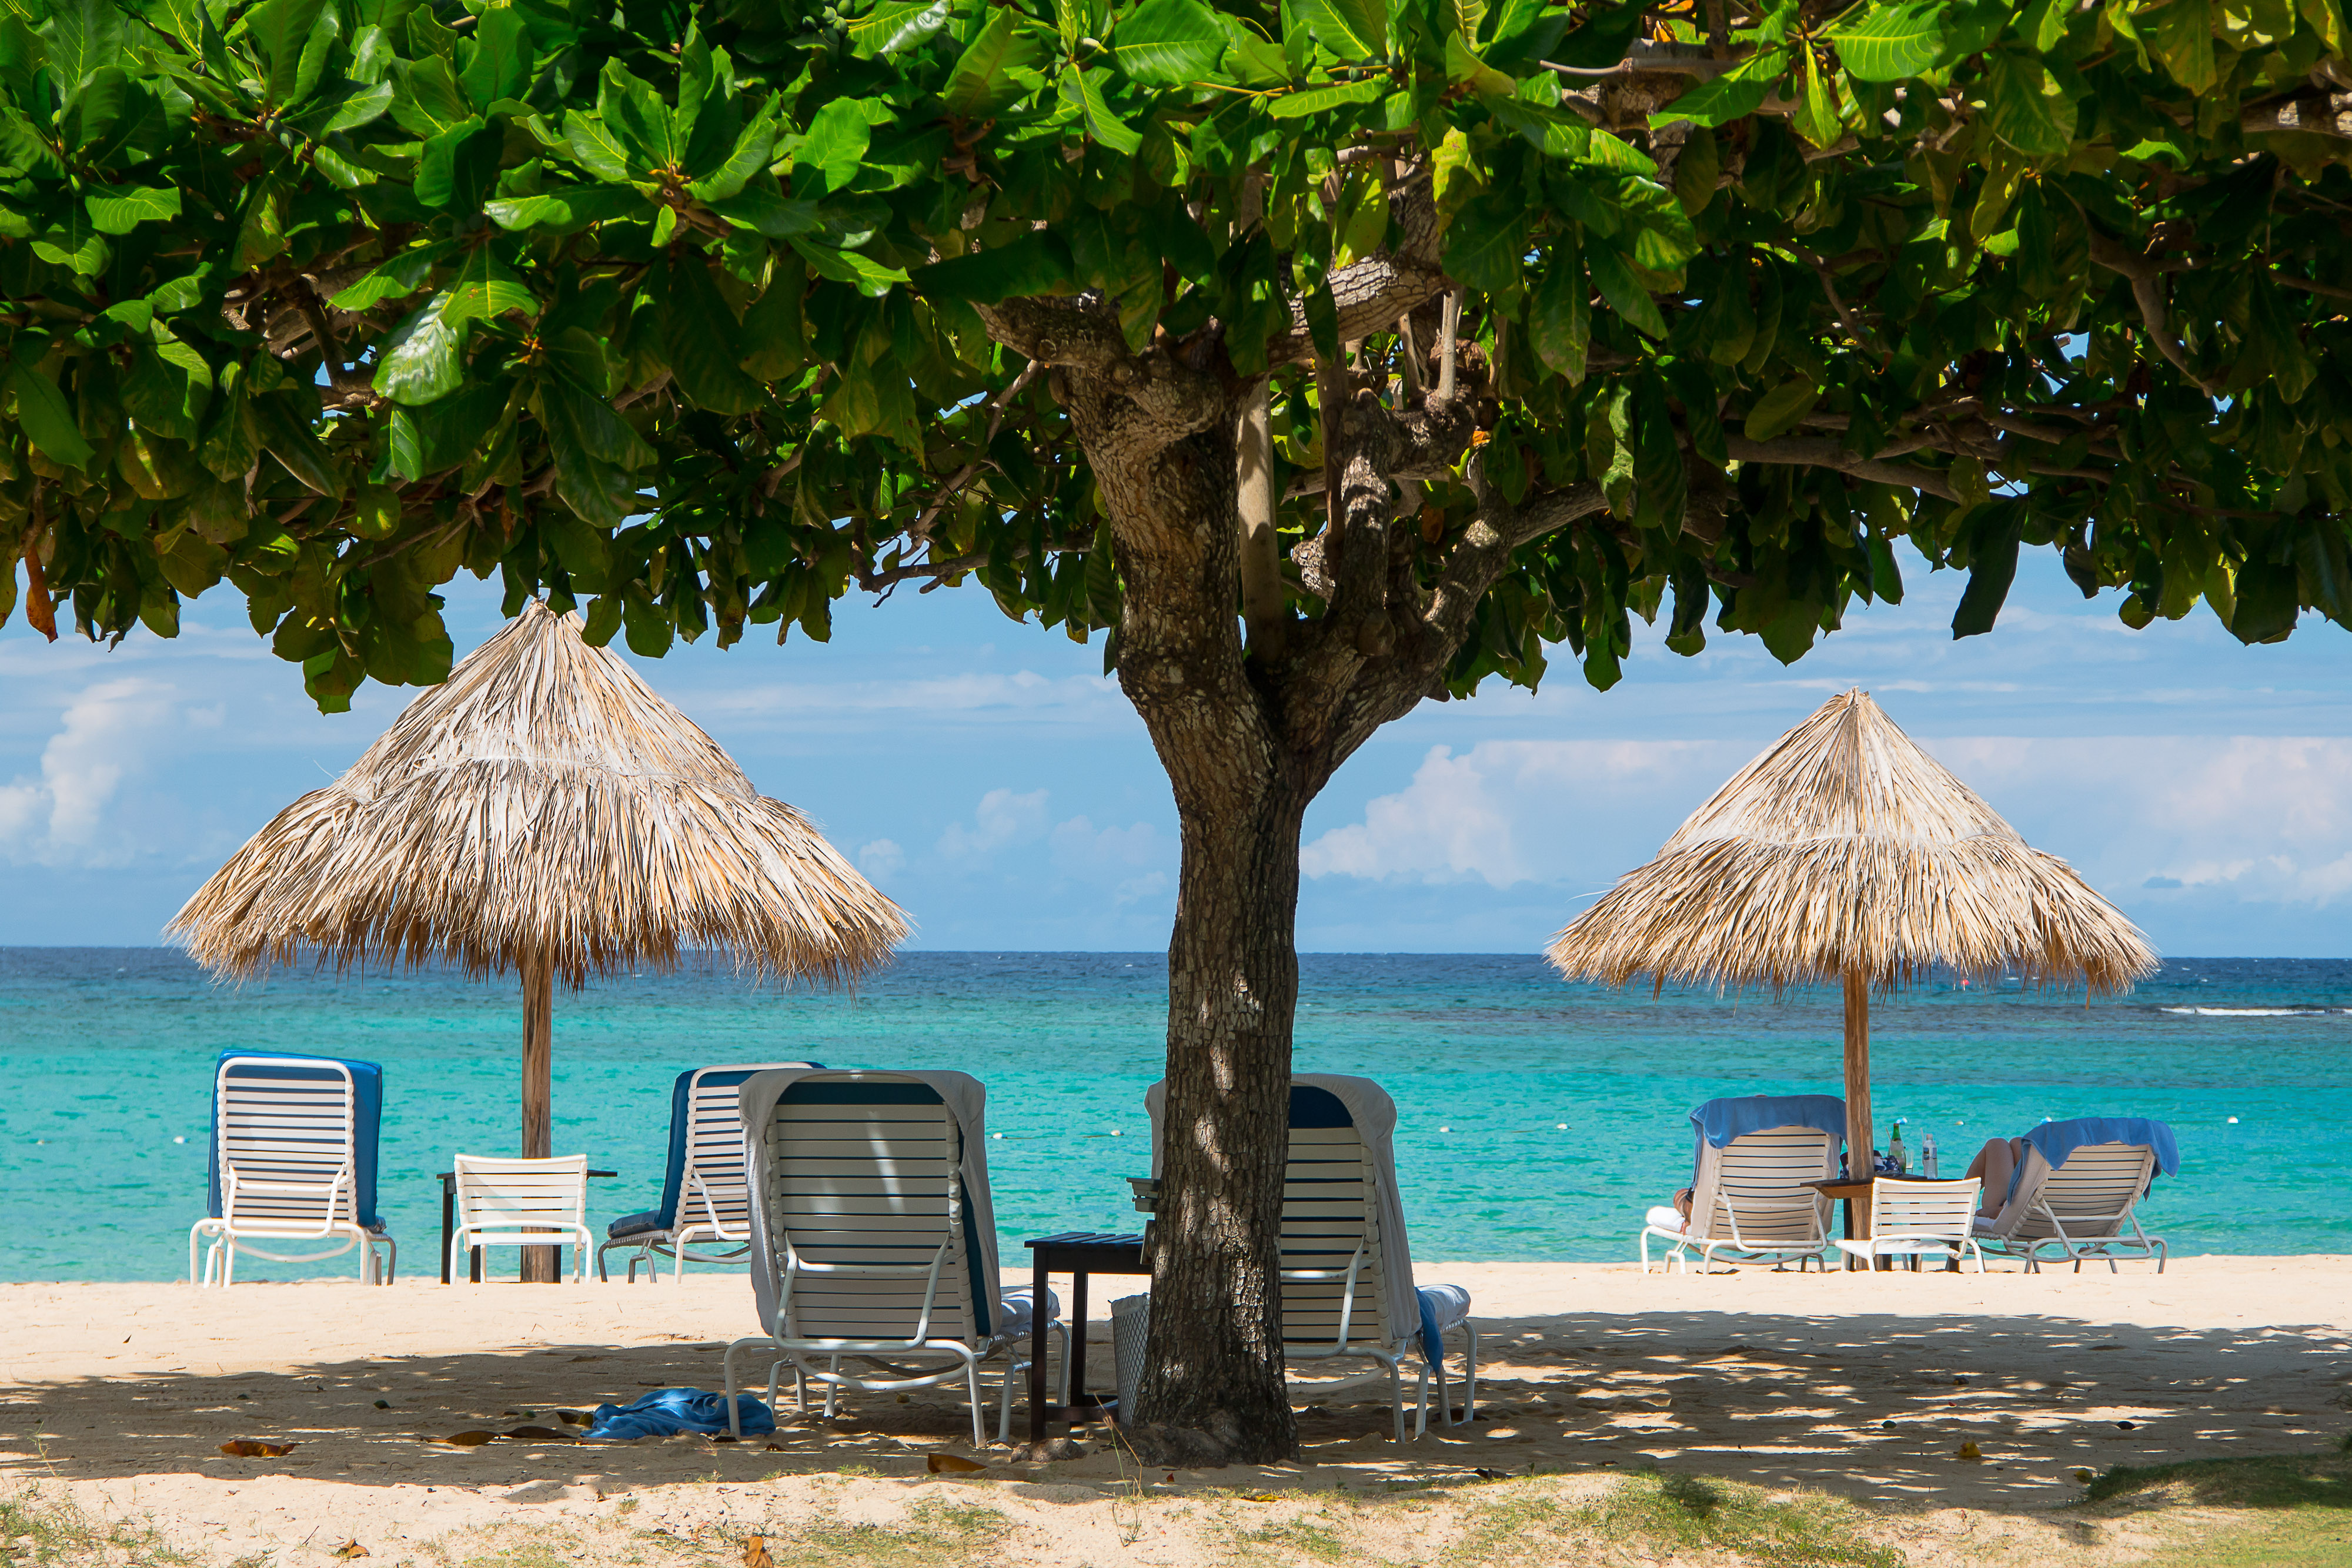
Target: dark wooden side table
1076,1253
449,1224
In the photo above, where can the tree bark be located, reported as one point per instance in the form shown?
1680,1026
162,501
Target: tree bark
539,1264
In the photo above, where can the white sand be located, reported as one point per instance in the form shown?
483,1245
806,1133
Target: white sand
1859,1383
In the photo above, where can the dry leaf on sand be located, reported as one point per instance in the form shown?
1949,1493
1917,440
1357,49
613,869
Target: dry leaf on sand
755,1552
941,1464
250,1448
471,1439
351,1549
1970,1451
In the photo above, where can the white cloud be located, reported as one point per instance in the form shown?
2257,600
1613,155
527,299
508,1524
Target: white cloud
880,859
1003,818
106,733
1082,848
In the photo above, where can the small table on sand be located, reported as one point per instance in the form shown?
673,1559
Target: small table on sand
1076,1253
450,1225
1851,1189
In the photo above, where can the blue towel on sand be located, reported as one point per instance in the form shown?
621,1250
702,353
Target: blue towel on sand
665,1412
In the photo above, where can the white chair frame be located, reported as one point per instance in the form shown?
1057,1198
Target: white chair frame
2097,1234
503,1202
1681,1244
1920,1218
816,1358
1386,1346
732,1228
302,1198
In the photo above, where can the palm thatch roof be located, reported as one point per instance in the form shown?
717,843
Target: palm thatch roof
542,808
1847,850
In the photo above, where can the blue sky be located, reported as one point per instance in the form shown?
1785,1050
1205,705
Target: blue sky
989,778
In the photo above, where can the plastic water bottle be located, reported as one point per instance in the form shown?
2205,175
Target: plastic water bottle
1927,1153
1896,1155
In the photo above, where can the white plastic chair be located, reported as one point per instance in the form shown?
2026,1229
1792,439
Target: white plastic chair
871,1206
2081,1210
1750,1200
709,1198
1920,1217
287,1154
521,1203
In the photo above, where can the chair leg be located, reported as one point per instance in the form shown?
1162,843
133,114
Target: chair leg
1421,1421
1470,1379
1005,1402
978,1406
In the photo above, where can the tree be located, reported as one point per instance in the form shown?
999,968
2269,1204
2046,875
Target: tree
1328,357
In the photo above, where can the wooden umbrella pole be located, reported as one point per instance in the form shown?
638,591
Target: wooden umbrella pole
1858,1142
541,1265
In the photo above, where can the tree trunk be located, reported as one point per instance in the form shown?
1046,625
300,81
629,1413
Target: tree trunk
1215,1364
1858,1144
539,1264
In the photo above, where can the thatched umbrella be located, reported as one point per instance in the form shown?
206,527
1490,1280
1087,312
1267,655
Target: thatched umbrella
1846,852
542,811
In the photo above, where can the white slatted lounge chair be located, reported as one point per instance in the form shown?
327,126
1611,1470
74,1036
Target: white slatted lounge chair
705,1201
521,1203
2085,1208
1347,1287
1915,1219
293,1161
877,1237
1748,1200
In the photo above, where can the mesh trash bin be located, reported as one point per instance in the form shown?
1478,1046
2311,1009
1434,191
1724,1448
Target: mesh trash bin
1130,1326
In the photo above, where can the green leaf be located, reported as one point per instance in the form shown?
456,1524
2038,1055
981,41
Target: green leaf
1333,95
286,435
996,68
1892,43
419,361
1351,29
496,63
1817,116
2184,44
168,386
595,147
1559,317
280,29
1693,384
893,26
1623,292
84,38
48,420
701,340
835,144
396,277
1170,43
1605,38
1732,96
867,276
1083,93
119,209
566,211
1465,68
1777,411
2027,107
635,113
778,217
1992,567
1037,262
1485,242
748,157
458,168
360,106
485,288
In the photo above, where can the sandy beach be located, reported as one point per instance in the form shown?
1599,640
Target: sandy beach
1863,1387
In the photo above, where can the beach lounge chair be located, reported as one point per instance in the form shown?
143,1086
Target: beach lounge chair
2075,1193
1917,1218
1754,1154
521,1203
704,1198
293,1160
1347,1287
877,1237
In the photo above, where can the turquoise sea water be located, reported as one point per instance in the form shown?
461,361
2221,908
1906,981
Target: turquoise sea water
1538,1120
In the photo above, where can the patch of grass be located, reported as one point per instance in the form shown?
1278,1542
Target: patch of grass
38,1530
1311,1538
937,1534
2318,1480
2292,1511
1652,1515
523,1546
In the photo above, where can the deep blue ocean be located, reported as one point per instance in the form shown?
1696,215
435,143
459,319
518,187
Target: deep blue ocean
1538,1120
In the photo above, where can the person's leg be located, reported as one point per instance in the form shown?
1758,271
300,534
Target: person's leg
1994,1163
1683,1202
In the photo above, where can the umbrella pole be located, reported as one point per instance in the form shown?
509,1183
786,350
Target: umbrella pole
539,1264
1858,1144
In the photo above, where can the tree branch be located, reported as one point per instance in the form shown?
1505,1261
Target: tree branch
1809,452
998,407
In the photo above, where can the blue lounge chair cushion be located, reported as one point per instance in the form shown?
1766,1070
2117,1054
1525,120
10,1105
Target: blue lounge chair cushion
630,1225
367,1116
2056,1140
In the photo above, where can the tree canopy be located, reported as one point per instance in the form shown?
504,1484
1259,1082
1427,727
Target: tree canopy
704,315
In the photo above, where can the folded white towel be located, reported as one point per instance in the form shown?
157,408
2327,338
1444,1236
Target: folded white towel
1665,1217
